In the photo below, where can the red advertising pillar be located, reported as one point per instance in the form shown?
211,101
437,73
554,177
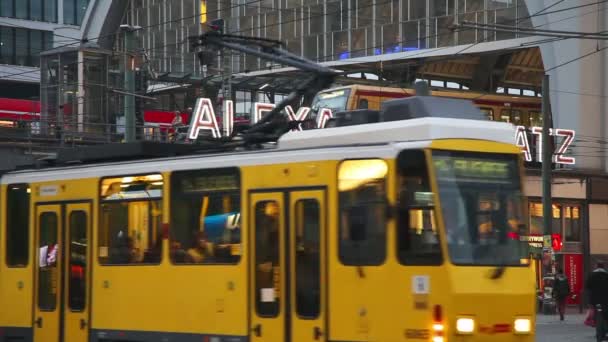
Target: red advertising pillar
573,269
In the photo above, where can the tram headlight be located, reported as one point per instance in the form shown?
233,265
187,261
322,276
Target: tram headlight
522,326
465,325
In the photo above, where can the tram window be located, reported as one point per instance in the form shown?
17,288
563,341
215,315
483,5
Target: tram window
17,225
78,260
47,267
536,119
512,116
417,234
267,258
362,188
488,112
130,229
572,223
206,216
363,104
308,262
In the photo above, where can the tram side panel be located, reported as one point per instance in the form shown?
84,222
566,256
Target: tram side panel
16,281
190,292
373,295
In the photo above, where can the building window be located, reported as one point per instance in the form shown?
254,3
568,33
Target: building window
7,8
130,220
572,223
73,11
50,11
206,217
23,47
17,225
362,191
417,233
38,10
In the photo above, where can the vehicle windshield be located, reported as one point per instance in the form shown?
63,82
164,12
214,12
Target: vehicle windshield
482,206
334,99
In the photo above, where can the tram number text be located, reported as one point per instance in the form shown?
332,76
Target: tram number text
417,334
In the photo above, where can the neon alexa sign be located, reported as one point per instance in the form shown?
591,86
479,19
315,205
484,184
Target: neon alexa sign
204,119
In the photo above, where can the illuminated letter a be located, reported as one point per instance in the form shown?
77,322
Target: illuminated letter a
203,119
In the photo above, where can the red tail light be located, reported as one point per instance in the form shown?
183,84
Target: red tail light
437,314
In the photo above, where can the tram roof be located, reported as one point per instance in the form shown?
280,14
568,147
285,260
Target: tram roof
421,129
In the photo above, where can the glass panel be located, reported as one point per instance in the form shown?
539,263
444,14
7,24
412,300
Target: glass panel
494,4
489,112
358,46
482,207
7,44
438,8
316,19
288,22
81,10
310,47
417,9
335,100
47,264
21,9
505,17
536,218
21,47
362,187
511,115
391,41
17,225
69,12
35,9
206,217
474,5
35,47
272,25
417,234
445,35
308,258
78,260
267,258
6,8
130,224
340,45
536,119
50,10
572,222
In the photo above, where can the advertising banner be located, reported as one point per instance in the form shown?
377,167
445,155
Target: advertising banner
573,269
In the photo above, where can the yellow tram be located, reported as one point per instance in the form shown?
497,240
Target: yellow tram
392,231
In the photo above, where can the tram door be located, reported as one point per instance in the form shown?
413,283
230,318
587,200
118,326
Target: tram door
288,267
61,310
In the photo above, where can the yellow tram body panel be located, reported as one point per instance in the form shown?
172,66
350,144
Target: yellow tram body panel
385,300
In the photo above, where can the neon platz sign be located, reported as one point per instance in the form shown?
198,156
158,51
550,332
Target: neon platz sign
204,119
565,137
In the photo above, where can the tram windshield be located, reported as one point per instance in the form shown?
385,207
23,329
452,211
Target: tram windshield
482,206
335,100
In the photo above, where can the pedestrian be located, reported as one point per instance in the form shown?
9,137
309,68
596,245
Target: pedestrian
561,291
597,291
